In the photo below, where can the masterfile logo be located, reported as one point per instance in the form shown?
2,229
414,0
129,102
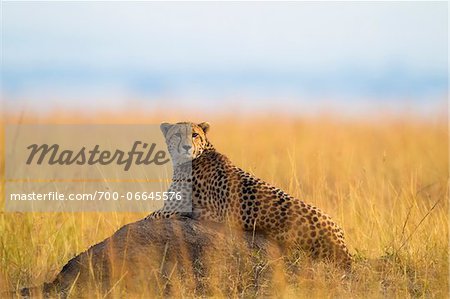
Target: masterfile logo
53,155
87,168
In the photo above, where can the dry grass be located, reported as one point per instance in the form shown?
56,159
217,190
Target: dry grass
385,181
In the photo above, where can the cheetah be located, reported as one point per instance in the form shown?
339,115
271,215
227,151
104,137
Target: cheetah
214,189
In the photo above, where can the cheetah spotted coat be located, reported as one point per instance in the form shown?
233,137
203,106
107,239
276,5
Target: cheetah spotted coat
222,192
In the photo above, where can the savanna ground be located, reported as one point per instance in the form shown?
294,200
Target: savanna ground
384,180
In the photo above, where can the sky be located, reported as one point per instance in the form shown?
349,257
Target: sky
300,53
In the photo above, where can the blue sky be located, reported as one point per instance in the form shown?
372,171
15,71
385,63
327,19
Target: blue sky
352,53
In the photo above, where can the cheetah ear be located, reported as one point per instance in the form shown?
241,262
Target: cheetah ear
165,128
204,126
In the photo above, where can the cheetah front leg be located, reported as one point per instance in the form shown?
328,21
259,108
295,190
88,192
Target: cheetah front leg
196,213
176,207
164,214
171,211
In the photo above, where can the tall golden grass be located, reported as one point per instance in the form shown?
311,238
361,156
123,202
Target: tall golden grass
384,180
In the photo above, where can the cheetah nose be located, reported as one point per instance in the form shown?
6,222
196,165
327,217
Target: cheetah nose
187,147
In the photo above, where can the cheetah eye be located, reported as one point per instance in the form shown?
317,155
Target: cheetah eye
194,135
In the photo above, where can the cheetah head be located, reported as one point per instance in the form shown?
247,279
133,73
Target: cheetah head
185,140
